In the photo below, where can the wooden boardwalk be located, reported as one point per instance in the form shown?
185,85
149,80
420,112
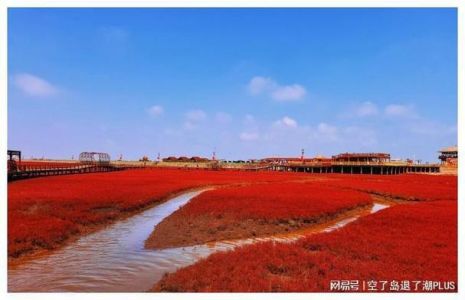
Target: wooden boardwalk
53,171
333,167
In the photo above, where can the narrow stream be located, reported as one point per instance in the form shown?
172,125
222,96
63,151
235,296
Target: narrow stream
114,259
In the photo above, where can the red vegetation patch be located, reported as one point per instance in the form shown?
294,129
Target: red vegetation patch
274,201
253,210
44,212
408,186
405,242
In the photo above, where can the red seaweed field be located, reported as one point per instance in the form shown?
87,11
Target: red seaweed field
414,240
412,245
45,212
275,201
254,210
404,243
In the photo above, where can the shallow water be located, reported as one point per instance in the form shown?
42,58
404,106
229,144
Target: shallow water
114,259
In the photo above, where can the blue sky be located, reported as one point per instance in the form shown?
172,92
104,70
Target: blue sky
245,83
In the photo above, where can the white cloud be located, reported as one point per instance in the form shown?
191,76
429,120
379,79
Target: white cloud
366,109
156,110
258,85
249,136
320,138
223,118
289,93
34,86
286,122
264,85
398,110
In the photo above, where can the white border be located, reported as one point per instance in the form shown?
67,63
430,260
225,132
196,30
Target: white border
3,146
5,4
231,3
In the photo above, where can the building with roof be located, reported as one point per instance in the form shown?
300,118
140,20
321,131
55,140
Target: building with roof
362,157
449,156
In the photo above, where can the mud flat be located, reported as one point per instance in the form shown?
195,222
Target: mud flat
255,210
179,231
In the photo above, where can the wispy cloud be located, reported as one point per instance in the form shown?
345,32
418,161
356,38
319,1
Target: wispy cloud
196,115
34,86
249,136
361,136
289,93
327,132
223,118
370,109
400,110
259,85
286,122
431,128
194,118
351,137
249,119
155,110
361,110
366,109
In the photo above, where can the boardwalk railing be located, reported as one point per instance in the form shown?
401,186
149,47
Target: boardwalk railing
30,171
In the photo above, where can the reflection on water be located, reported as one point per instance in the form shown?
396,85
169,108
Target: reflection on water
114,259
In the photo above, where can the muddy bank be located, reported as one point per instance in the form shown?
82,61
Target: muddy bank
177,230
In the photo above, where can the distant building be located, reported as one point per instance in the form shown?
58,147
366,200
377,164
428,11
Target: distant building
198,159
94,158
343,157
296,160
14,157
185,159
170,159
362,157
449,156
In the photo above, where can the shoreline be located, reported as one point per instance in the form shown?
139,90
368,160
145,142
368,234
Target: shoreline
86,230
